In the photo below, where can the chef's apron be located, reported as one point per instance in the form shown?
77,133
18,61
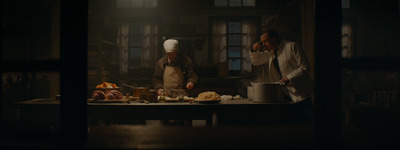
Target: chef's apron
173,79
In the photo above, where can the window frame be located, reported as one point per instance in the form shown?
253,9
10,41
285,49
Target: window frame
240,46
132,62
352,22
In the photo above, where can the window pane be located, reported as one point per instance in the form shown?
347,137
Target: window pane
234,64
221,3
234,52
136,3
136,28
234,40
135,53
150,3
234,27
136,40
122,3
346,40
346,53
249,2
235,3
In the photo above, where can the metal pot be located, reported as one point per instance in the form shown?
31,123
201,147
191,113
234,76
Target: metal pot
267,92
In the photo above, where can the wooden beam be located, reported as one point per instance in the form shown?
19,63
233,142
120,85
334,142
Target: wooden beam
73,74
327,73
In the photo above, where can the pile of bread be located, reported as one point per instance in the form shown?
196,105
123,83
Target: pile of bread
208,96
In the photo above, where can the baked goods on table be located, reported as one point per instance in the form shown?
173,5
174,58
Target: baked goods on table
109,95
98,95
208,96
107,91
186,98
113,94
106,85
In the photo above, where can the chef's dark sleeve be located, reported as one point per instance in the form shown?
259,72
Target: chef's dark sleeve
158,76
191,75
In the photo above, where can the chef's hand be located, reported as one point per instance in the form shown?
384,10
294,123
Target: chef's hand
160,91
189,85
284,81
256,46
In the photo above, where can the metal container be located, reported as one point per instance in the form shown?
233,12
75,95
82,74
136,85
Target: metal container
267,92
250,92
138,91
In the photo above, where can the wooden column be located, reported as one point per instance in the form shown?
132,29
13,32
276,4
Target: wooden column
328,73
73,73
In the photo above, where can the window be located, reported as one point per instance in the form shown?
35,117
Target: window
135,44
138,44
347,40
137,3
234,3
234,46
230,43
142,44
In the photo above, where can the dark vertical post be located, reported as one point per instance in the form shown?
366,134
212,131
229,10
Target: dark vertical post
1,72
73,73
328,73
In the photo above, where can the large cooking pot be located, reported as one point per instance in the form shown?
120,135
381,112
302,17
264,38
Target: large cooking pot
267,92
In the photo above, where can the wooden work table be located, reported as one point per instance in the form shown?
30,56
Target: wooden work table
233,124
242,111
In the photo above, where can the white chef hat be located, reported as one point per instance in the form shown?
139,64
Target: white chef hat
171,45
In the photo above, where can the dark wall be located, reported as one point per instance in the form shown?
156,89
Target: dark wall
377,28
26,30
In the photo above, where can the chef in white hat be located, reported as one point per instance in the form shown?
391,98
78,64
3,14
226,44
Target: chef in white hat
174,71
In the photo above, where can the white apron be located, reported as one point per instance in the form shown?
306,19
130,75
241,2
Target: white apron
173,78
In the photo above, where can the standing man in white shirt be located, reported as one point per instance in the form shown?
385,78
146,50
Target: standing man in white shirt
288,65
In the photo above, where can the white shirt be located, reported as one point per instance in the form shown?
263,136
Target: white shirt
293,64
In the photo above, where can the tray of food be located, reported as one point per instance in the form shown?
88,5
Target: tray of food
108,93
